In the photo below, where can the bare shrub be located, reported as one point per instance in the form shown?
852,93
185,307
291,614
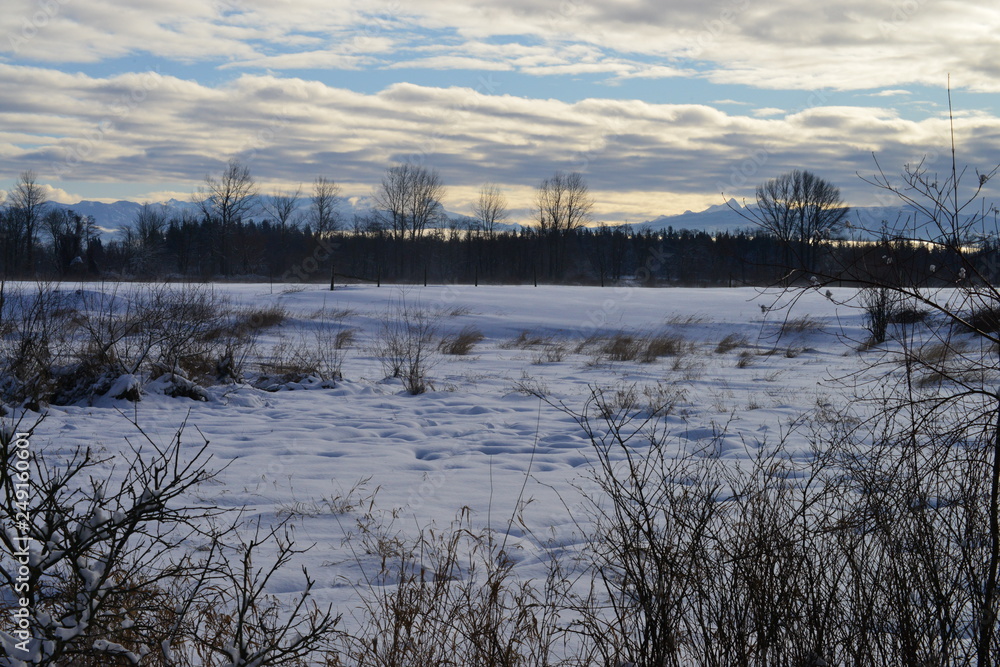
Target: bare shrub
65,347
35,354
183,325
332,344
112,578
451,596
925,560
186,332
405,345
299,355
775,558
462,342
879,304
291,360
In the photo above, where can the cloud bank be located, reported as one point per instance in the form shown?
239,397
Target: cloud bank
258,80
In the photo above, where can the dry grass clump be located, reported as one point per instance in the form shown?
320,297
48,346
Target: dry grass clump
985,320
456,311
525,340
258,319
935,354
730,343
663,345
291,360
745,359
551,351
332,314
621,347
947,361
656,400
908,315
645,348
800,325
934,377
462,342
546,348
685,320
792,351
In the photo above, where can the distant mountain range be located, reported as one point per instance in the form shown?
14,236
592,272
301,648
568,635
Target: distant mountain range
723,217
112,217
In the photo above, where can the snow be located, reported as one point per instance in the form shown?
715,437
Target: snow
330,453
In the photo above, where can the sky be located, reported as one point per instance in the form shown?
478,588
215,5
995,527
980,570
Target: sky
664,107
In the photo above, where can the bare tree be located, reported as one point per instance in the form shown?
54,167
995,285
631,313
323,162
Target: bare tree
231,196
391,198
425,199
800,209
282,206
323,214
70,234
491,208
143,236
409,199
801,206
150,223
25,204
563,202
226,200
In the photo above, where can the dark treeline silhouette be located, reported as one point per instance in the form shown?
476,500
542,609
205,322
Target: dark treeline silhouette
238,233
190,247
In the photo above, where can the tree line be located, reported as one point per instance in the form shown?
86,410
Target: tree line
798,227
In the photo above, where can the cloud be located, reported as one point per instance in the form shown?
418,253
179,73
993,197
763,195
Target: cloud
764,112
304,60
450,62
59,195
784,44
147,129
890,93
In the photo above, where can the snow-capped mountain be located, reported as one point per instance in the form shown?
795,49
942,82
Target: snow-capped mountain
730,216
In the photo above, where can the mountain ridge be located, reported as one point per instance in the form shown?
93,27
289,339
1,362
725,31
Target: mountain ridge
729,216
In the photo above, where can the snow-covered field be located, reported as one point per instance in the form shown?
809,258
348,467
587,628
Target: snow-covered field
326,453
